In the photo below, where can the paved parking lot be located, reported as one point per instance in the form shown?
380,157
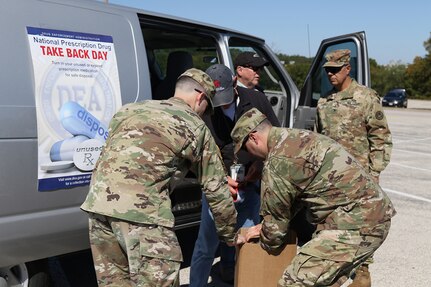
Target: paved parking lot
405,257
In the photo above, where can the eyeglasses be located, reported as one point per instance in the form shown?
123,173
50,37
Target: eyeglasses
206,98
200,92
243,146
333,70
255,69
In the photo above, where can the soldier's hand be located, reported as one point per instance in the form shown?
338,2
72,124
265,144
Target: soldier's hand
253,232
238,240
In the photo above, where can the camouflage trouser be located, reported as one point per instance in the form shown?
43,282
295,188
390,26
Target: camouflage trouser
129,254
331,257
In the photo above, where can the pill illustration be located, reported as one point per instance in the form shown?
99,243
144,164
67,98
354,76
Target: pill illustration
64,150
78,121
86,154
56,166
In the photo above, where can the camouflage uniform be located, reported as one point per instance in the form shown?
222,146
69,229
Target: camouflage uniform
351,211
128,201
133,254
354,118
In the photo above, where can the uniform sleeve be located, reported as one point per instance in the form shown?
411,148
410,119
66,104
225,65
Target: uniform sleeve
207,165
278,196
318,123
379,136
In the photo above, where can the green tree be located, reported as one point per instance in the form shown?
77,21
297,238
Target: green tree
427,45
415,77
388,77
377,77
418,77
297,67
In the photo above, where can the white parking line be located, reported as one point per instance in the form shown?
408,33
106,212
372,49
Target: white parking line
412,140
407,195
410,167
415,152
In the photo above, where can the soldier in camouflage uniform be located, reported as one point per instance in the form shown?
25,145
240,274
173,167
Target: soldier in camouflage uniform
131,222
352,115
305,169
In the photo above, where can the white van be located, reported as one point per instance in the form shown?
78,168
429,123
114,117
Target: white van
67,66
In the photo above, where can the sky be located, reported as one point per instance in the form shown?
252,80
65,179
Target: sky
395,30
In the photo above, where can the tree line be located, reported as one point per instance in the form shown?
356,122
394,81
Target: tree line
414,77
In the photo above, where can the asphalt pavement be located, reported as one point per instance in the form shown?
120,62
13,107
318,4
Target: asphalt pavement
405,257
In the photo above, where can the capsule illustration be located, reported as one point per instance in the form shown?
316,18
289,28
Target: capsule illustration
78,121
64,150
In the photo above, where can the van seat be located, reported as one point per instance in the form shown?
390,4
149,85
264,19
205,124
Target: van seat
178,62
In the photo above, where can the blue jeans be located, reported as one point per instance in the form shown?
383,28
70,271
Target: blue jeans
207,242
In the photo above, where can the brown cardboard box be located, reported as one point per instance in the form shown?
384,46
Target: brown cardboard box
256,268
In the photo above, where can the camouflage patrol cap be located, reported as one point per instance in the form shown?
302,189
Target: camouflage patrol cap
244,126
337,58
204,80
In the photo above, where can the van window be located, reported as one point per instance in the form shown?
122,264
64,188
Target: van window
270,81
321,85
172,50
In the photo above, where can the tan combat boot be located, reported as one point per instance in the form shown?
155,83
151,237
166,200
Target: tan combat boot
362,278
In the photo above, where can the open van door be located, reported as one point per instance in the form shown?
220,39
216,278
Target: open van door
317,84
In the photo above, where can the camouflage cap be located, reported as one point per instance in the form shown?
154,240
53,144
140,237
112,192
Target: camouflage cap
204,80
337,58
244,126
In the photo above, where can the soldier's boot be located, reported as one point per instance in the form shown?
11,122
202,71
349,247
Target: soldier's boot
362,278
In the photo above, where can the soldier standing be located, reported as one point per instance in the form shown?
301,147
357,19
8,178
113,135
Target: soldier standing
130,219
352,115
304,169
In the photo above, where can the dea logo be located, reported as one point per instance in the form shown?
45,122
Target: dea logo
77,81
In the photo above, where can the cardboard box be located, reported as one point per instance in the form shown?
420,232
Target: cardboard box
257,268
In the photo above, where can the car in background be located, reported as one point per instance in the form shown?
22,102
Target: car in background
395,98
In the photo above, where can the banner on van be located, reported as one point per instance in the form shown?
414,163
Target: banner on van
77,91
